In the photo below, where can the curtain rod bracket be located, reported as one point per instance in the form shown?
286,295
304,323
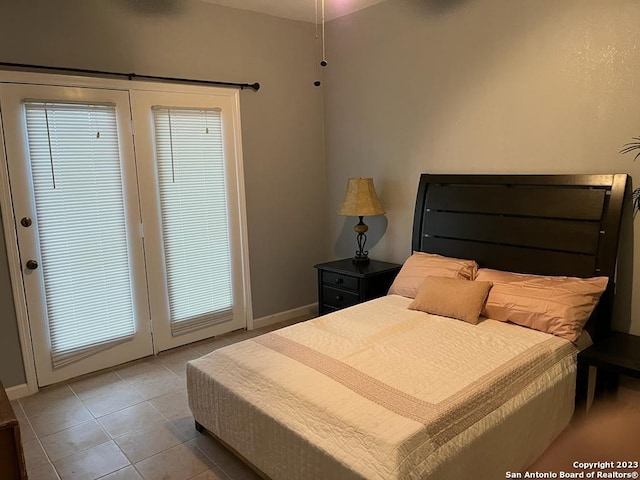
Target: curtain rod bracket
254,86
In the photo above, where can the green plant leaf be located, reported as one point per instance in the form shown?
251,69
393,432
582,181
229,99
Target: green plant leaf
629,147
635,194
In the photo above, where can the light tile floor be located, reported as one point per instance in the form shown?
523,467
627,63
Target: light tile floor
131,422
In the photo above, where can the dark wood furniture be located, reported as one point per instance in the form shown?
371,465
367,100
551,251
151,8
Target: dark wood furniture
619,353
540,224
614,355
343,283
12,464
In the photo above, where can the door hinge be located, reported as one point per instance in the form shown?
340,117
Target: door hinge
142,230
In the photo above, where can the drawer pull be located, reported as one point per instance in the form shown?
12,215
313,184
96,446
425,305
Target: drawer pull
339,298
339,280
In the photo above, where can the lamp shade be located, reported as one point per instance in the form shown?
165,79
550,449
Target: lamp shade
361,199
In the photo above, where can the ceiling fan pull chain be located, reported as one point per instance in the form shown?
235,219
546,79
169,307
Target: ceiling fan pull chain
324,57
317,83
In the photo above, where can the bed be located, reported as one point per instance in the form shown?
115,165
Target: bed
378,391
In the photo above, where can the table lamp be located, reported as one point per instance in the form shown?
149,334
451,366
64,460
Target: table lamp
361,200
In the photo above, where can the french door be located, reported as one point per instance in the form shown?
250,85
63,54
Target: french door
190,213
129,244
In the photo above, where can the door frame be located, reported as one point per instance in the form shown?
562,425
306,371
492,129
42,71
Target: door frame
15,273
9,221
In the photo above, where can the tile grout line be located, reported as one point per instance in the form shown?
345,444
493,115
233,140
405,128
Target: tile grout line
37,437
120,470
82,449
93,417
190,350
211,459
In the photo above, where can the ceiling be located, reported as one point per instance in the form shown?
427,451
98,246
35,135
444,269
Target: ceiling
299,9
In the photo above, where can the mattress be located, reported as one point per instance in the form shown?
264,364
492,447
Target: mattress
378,391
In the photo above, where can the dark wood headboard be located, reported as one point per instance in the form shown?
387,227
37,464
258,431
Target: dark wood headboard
541,224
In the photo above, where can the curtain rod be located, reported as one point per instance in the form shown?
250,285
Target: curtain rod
129,76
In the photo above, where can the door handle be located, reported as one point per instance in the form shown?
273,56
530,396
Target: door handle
32,264
26,221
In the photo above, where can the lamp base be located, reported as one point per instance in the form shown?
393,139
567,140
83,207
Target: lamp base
362,255
360,260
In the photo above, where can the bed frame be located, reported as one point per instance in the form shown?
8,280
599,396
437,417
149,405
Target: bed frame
540,224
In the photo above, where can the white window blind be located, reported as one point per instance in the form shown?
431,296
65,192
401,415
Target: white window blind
76,172
193,199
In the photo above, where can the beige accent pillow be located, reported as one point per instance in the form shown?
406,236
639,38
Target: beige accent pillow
557,305
421,265
452,297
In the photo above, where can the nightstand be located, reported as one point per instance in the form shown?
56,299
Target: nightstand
615,355
343,283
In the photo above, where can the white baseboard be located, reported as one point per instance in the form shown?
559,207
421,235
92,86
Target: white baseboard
310,311
17,391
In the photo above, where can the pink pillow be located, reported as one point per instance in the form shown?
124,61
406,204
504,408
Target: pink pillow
557,305
421,265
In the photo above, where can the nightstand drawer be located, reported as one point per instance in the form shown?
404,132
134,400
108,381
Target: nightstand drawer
339,298
342,281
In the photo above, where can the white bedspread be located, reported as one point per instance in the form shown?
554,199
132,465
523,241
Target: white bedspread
378,391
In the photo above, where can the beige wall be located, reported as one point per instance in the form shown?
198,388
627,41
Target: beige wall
461,86
490,86
11,371
281,124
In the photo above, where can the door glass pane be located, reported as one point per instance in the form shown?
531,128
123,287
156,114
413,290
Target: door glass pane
75,165
193,202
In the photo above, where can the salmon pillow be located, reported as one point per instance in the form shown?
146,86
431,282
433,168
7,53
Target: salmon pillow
557,305
422,265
